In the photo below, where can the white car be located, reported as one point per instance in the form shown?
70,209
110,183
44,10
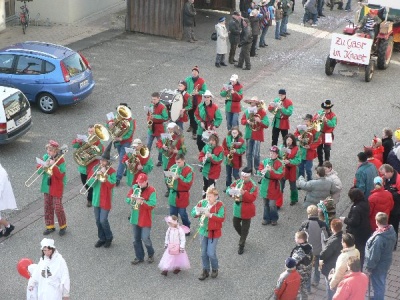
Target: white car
15,114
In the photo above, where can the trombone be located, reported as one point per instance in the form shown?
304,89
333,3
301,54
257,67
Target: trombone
100,177
46,169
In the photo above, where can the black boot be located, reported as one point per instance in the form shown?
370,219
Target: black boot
241,249
204,275
217,65
214,273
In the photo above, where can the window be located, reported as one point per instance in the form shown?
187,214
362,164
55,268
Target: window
49,67
14,105
29,65
6,63
74,64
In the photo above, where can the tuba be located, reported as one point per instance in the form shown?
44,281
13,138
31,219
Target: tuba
169,143
277,107
121,125
306,137
133,161
170,180
137,192
87,153
252,118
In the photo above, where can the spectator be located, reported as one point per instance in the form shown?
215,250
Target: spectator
287,10
303,255
317,189
244,6
349,250
391,182
354,284
377,148
246,39
288,283
369,23
320,6
358,220
255,29
278,19
267,14
189,22
365,174
310,12
380,200
222,46
371,159
378,254
333,2
387,143
330,253
234,35
332,175
348,6
317,235
393,157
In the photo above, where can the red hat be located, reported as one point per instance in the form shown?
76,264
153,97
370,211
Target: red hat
142,178
53,144
196,68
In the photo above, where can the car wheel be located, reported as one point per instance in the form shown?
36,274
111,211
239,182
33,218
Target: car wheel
369,70
330,66
47,103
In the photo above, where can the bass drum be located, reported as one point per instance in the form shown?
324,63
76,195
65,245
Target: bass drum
176,107
166,98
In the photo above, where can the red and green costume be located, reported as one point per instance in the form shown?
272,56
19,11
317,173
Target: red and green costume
179,194
201,86
128,136
187,105
146,162
281,118
329,125
227,144
211,227
159,116
178,143
143,216
257,135
232,103
76,143
310,153
245,209
210,115
290,172
270,183
212,166
103,191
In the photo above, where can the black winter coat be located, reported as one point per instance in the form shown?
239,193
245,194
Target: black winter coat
234,31
331,252
387,144
358,222
246,36
188,14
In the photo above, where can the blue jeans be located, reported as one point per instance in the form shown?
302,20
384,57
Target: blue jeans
150,139
277,29
317,274
173,210
209,253
329,292
378,281
270,210
253,152
232,119
229,172
307,16
180,124
307,164
142,234
284,22
348,5
320,5
103,227
121,152
262,37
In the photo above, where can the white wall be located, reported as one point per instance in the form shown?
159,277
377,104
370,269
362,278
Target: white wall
67,11
2,15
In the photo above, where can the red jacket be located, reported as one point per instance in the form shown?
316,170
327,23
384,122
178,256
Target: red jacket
259,134
236,98
248,209
158,124
215,223
237,158
283,119
378,153
376,162
185,117
106,191
215,169
197,98
183,188
143,161
291,170
145,211
380,200
353,286
311,152
288,285
211,109
177,142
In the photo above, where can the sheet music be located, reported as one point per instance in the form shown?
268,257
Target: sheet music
237,143
41,162
110,116
234,192
165,136
252,109
129,150
328,138
169,174
201,210
287,150
228,86
82,137
301,127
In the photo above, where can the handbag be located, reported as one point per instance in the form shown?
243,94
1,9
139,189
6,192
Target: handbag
173,249
214,36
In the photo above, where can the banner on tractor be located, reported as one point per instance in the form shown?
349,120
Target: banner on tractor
350,48
386,3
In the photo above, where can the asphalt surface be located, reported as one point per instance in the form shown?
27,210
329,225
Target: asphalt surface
128,68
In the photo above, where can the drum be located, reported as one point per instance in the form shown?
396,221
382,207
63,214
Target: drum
166,97
176,107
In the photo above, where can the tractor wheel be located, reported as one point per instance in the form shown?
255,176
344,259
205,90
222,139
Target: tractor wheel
329,65
385,51
369,71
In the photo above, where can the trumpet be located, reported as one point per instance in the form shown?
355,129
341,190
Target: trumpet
46,169
229,93
267,167
239,186
171,179
97,177
136,194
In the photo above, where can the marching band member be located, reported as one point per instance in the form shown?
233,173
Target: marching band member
103,181
234,148
196,87
53,188
309,139
282,108
83,170
233,93
211,157
329,122
271,170
291,158
120,143
255,123
180,189
143,198
212,214
171,147
187,103
208,117
243,208
141,164
155,120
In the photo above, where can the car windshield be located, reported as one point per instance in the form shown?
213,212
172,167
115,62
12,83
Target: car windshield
74,64
14,105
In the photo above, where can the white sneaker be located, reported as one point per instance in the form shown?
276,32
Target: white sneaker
301,24
313,25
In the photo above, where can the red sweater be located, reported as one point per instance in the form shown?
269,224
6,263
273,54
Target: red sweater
158,124
288,285
380,200
183,188
259,134
145,211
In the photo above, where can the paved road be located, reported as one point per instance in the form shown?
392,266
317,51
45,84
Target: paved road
127,68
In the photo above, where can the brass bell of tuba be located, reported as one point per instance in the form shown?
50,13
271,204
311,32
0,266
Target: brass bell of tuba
121,125
170,180
134,159
88,152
